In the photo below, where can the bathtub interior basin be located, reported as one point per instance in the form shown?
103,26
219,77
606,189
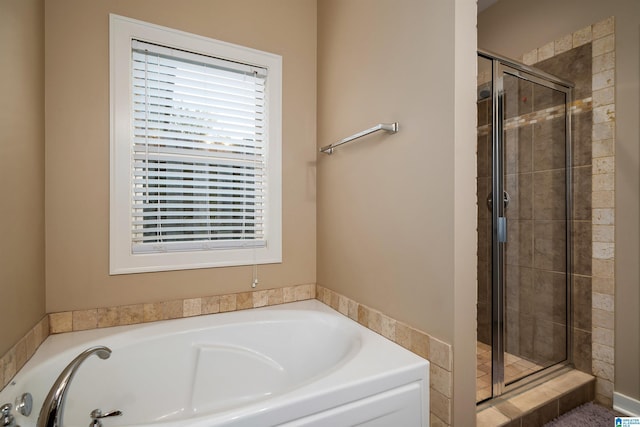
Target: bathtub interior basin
206,370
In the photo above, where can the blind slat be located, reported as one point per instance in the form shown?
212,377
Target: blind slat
198,151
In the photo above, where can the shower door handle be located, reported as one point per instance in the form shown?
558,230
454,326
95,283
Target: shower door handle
502,229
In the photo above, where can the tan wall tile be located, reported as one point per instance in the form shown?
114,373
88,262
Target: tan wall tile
172,310
531,57
440,405
603,233
603,97
259,298
85,319
388,327
275,296
305,292
434,421
343,305
420,344
563,44
108,317
603,199
582,36
603,336
606,113
131,314
227,303
61,322
363,315
603,165
547,51
603,148
289,294
602,131
21,354
30,341
244,300
9,364
602,302
211,305
603,182
39,332
353,310
440,379
603,370
604,400
603,45
604,387
604,62
603,80
152,312
603,285
440,353
192,307
603,353
403,335
603,28
375,321
335,301
603,268
45,331
602,319
603,216
602,250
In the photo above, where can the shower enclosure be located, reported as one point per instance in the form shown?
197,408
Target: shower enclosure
524,232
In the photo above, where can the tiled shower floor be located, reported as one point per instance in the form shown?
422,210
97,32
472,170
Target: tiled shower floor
515,368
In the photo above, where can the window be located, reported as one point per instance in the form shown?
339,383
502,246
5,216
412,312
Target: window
195,151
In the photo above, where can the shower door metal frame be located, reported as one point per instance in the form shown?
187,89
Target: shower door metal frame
500,66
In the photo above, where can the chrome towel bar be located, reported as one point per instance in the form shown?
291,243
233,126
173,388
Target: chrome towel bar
389,127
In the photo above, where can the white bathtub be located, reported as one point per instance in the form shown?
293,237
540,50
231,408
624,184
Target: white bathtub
298,364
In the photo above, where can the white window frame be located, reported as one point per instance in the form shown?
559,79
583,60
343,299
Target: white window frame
122,259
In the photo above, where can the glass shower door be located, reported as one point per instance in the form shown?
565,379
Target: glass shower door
536,210
523,155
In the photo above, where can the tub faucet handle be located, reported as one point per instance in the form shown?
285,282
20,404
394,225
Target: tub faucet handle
97,414
7,419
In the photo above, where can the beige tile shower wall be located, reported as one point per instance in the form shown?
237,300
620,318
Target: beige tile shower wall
439,353
602,37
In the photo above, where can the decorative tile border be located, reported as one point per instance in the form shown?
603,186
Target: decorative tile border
602,37
81,320
14,359
576,107
439,353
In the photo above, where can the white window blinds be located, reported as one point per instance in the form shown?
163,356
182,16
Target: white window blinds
198,152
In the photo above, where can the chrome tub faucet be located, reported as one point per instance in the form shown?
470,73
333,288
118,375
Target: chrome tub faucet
53,405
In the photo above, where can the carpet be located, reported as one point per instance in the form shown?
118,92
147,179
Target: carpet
587,415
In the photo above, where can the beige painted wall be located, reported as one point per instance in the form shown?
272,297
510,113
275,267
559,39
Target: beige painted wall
21,168
77,145
389,205
514,27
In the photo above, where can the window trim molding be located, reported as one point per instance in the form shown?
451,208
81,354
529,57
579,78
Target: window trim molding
121,259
